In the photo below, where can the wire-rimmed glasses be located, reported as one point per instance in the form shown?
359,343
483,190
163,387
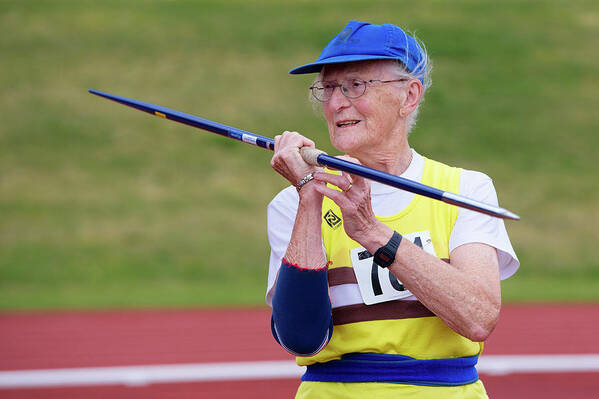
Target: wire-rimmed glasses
351,88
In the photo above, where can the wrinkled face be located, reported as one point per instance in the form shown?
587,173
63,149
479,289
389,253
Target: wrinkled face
361,125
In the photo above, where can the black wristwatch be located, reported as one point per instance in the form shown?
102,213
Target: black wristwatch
384,256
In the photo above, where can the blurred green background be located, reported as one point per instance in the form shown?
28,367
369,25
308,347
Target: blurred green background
103,206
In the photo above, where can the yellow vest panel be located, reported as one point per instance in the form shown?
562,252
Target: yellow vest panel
399,326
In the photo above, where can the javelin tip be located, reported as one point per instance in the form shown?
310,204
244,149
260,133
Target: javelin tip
510,215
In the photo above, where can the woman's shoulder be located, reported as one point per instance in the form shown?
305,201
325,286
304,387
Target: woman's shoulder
472,183
477,185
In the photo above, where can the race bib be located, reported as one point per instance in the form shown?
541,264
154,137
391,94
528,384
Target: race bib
378,284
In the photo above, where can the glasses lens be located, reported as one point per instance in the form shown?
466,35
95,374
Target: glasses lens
353,88
323,91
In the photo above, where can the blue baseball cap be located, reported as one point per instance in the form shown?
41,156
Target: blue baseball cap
360,41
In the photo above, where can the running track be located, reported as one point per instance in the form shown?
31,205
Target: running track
209,344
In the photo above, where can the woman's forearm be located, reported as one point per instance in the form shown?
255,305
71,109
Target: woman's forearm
465,293
301,319
305,246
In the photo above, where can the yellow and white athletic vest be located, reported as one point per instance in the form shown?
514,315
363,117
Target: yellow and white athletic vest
403,327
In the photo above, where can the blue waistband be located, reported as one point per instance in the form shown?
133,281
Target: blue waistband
377,367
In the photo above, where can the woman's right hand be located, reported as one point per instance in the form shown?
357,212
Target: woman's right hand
287,160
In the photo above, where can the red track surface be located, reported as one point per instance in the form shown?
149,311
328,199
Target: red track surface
119,338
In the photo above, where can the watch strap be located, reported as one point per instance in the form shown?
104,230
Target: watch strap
385,255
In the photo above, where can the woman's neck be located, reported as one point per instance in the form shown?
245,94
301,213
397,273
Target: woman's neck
394,161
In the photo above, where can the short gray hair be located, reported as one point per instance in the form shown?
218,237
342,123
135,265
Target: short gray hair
422,72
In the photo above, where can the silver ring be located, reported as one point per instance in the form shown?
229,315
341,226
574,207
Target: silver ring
304,180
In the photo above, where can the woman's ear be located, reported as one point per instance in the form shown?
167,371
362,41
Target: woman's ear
413,95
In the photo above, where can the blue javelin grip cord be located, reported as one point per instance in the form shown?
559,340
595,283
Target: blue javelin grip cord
314,157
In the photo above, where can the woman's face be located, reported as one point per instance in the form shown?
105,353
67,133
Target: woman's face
361,125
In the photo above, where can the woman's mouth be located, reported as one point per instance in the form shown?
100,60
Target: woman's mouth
347,123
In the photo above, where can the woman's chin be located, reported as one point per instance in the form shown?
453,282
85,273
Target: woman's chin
346,146
346,149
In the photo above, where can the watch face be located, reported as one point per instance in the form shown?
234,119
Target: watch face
384,256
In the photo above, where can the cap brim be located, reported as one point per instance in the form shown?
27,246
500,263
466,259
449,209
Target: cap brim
316,66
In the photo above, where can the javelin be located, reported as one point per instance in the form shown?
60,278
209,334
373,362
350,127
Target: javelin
314,157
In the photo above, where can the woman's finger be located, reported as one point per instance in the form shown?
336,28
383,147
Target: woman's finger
289,138
338,197
343,182
357,181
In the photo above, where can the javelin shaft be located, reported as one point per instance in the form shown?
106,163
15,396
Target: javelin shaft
191,120
406,184
313,156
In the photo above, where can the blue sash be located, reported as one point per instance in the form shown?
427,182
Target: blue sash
377,367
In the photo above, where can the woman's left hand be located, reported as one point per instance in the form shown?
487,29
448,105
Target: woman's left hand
359,221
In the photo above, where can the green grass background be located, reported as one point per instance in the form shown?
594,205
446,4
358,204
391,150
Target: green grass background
103,206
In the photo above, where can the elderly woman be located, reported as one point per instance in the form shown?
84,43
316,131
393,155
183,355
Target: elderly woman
379,292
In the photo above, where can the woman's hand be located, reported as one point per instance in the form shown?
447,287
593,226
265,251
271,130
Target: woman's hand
287,160
359,220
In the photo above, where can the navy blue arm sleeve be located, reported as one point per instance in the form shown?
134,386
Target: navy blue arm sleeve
301,321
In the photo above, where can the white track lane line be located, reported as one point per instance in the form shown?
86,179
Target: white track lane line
199,372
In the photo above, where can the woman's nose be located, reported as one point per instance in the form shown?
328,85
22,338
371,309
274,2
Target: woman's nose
338,100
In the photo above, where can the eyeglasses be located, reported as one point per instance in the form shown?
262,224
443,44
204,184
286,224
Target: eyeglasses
351,88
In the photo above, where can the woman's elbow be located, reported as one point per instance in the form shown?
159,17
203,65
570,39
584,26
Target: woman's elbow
305,341
480,328
478,333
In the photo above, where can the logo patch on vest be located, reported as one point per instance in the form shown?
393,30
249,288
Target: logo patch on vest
332,220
